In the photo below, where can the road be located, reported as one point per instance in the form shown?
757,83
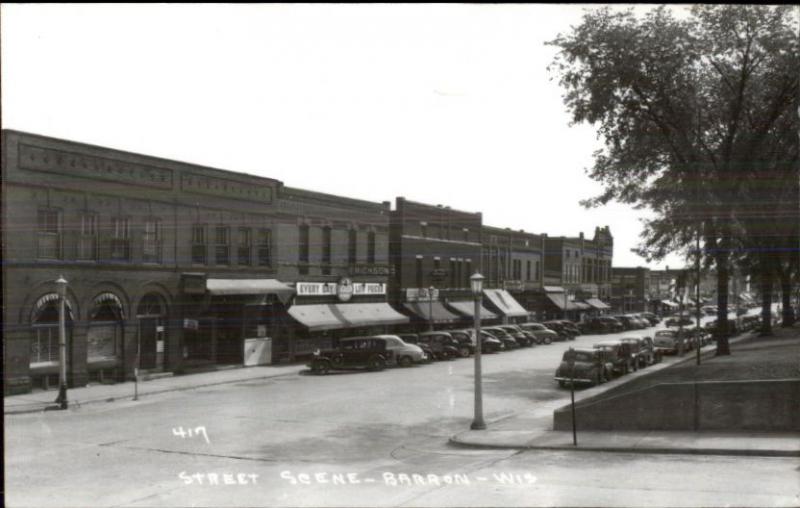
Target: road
355,439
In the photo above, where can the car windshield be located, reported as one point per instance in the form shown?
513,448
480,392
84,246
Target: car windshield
578,356
665,333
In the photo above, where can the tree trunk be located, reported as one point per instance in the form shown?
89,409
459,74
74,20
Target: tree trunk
786,299
721,332
766,298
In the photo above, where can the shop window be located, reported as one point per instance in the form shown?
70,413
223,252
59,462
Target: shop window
222,245
371,247
49,234
243,251
352,247
120,239
105,328
303,249
326,250
199,246
87,244
264,247
152,241
44,344
419,273
44,341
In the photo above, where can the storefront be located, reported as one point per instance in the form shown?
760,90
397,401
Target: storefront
466,309
503,303
323,312
561,305
44,345
427,310
597,306
229,321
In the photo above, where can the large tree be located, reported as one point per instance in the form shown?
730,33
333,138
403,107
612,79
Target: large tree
691,111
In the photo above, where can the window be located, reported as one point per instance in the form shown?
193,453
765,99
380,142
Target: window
466,234
264,247
87,245
221,245
352,247
303,251
419,274
468,273
326,250
120,239
199,247
245,247
423,227
371,247
453,279
49,234
151,252
44,344
528,270
536,270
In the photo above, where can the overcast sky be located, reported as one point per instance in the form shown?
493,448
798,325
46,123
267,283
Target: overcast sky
444,104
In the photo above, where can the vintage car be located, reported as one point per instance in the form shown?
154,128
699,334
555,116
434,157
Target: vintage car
620,354
542,334
584,366
681,320
413,338
601,324
442,344
652,318
489,343
403,353
644,349
670,342
563,332
503,336
523,338
466,343
711,327
352,353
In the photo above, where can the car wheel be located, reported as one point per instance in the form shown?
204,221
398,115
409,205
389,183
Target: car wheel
376,363
548,340
405,361
464,352
321,367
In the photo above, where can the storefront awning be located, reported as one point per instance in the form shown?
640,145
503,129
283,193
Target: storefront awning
669,304
505,303
223,287
582,306
467,308
558,300
598,304
368,314
316,317
432,311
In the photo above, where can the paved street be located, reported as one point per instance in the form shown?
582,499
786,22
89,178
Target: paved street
355,439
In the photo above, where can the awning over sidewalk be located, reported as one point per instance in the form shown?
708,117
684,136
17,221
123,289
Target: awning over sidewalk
558,300
432,311
224,287
598,304
467,308
316,317
582,306
368,314
669,304
505,303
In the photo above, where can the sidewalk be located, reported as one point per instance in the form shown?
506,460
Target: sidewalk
41,400
532,430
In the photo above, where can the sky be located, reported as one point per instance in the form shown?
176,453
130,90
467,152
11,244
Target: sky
442,104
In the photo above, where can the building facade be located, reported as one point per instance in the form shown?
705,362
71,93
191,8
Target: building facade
630,289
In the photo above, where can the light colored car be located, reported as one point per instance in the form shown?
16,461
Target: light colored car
669,342
543,334
403,354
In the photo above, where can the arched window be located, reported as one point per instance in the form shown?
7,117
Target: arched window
44,325
104,337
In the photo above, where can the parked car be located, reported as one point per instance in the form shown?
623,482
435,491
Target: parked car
669,342
711,327
569,325
352,353
489,343
403,353
508,341
620,355
542,334
563,332
681,320
709,310
413,338
640,320
523,338
443,345
698,337
584,366
601,324
466,343
652,318
644,350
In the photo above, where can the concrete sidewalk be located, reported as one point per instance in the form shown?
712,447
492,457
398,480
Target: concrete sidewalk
42,400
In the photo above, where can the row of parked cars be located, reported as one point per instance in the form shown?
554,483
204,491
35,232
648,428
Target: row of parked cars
619,323
377,352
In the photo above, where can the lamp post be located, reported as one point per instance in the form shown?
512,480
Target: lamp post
476,284
430,307
61,288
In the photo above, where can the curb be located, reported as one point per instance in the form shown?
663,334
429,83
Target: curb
45,406
616,449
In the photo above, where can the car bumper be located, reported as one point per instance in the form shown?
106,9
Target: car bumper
573,380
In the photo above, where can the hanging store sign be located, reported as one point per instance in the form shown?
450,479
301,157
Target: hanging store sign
344,290
421,294
315,288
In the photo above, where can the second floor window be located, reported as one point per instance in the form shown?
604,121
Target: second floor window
303,251
371,247
87,244
352,246
264,246
222,245
199,247
326,251
49,234
151,244
120,239
419,274
245,246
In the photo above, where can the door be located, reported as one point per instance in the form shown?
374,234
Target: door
148,338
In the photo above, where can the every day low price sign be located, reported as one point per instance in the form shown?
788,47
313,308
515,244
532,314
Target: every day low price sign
331,288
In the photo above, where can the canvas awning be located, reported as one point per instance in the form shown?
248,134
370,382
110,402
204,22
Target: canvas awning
558,300
368,314
582,306
467,308
316,317
669,304
432,311
505,303
598,304
224,287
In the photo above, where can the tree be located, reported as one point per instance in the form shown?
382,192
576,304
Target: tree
690,110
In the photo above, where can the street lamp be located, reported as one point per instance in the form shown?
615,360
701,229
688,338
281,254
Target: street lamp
61,288
476,284
430,307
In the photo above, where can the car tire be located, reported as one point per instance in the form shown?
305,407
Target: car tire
376,363
405,361
464,351
321,368
548,340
